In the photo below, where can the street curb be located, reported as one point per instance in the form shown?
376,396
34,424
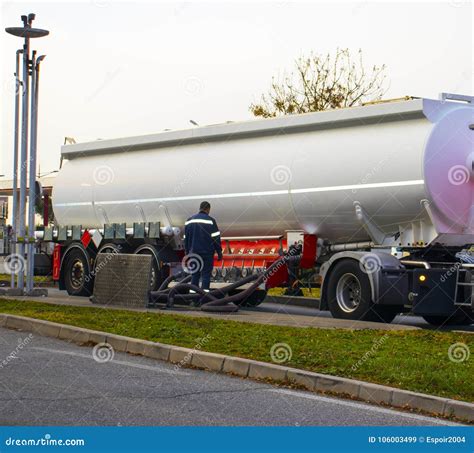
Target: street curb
316,382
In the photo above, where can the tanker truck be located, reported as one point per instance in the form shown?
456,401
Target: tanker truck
378,199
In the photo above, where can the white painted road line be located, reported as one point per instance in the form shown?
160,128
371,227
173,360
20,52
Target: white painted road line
115,362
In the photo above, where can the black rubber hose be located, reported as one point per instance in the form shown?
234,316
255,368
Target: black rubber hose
199,292
222,303
163,290
235,285
215,292
217,304
171,278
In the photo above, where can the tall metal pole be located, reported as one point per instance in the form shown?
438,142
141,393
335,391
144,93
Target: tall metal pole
15,164
32,193
31,182
26,32
24,154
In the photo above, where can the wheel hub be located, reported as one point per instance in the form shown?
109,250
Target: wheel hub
77,274
348,293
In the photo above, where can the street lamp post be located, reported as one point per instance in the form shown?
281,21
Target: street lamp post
30,69
32,184
15,160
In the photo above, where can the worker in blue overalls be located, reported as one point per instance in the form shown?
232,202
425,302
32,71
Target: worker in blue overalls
202,239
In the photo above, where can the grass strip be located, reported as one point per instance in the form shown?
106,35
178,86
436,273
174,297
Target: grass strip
417,360
307,292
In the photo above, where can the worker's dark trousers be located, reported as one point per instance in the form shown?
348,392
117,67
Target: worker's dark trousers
204,272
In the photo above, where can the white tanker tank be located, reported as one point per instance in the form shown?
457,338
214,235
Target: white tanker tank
402,169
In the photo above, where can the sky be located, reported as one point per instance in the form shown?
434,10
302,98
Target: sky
116,68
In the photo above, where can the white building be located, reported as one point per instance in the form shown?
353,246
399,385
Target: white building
6,198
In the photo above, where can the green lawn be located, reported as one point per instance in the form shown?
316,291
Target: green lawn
307,292
413,360
36,278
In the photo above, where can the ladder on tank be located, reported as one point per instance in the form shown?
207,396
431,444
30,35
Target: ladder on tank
464,279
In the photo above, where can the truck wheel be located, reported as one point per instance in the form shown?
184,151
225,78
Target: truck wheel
459,318
77,280
349,295
155,278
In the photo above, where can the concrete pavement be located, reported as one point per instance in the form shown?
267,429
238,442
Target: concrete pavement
52,382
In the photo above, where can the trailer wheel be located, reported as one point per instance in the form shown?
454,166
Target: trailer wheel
349,295
459,318
155,277
77,280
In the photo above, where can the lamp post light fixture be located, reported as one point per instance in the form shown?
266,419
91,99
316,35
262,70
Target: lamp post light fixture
30,68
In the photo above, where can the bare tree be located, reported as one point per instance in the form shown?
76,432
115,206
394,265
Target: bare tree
322,83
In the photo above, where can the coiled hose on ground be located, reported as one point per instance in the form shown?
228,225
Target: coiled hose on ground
217,300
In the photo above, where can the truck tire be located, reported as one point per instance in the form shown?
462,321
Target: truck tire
350,296
156,278
76,276
459,318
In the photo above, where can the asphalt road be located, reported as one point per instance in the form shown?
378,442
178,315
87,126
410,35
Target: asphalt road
52,382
